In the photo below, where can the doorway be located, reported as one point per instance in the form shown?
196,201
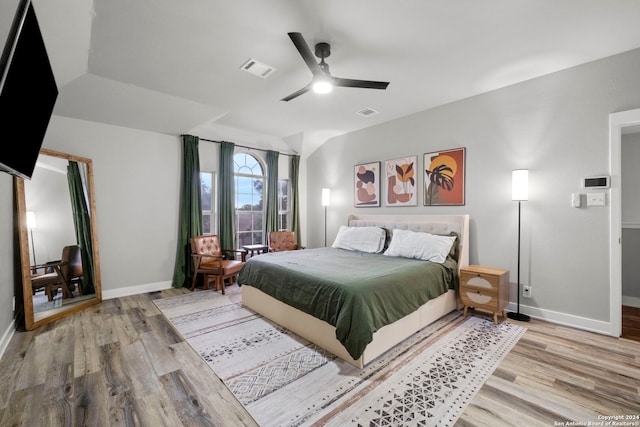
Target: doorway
630,199
619,123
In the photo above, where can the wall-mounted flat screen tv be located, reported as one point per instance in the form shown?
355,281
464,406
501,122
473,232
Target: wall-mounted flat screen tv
28,93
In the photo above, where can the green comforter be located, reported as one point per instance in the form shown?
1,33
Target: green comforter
356,292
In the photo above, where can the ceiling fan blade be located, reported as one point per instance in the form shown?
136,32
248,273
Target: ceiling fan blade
297,93
366,84
305,52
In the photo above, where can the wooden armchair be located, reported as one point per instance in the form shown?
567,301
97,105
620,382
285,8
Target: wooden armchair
283,241
64,274
213,262
45,277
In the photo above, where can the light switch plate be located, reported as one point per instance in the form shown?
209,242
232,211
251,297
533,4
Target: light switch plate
596,199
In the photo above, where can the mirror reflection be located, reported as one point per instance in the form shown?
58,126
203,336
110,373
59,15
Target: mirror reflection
60,275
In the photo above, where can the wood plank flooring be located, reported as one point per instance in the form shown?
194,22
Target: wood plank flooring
121,364
631,323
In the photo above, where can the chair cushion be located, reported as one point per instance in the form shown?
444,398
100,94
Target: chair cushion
38,282
230,267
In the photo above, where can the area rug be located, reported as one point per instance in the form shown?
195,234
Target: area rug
284,380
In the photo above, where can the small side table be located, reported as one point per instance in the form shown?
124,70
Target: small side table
485,289
255,249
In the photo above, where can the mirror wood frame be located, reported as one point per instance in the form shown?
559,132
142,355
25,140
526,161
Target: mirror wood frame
25,264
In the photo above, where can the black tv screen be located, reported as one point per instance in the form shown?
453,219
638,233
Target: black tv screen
28,93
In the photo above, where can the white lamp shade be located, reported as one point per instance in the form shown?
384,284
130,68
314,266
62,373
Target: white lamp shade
520,184
31,220
326,197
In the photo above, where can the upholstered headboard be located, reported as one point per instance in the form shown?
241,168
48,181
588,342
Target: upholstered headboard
434,224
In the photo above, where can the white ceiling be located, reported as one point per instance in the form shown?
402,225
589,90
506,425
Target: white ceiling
174,66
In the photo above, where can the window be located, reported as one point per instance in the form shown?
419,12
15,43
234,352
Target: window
208,196
283,204
249,185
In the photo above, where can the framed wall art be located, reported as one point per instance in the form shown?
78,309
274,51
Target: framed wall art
367,185
444,174
400,181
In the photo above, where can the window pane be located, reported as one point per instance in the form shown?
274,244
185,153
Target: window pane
206,224
244,185
257,221
244,239
257,238
206,191
283,194
243,222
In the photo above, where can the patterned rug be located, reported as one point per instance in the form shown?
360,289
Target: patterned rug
284,380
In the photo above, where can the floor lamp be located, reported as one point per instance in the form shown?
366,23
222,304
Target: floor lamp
519,193
326,201
31,224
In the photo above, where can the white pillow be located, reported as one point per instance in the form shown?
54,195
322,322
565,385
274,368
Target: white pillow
424,246
363,239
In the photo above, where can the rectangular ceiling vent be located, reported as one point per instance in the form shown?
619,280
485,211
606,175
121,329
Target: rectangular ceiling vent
257,68
368,112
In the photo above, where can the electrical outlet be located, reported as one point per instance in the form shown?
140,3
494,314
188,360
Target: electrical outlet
526,291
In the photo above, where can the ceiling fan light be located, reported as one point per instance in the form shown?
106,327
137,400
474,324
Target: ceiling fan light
322,86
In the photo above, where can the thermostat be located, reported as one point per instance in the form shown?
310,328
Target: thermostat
596,182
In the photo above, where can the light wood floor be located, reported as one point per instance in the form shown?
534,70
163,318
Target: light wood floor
121,364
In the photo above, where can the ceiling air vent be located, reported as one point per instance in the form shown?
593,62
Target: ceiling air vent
368,112
257,68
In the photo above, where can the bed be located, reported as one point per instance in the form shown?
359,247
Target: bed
357,305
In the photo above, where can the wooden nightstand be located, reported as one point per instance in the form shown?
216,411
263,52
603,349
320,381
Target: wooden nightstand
485,289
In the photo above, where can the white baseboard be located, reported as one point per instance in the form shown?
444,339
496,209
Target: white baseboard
564,319
631,301
6,337
133,290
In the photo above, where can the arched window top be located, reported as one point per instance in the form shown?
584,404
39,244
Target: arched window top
247,164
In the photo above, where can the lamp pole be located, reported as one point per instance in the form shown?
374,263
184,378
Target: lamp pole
520,192
325,225
326,201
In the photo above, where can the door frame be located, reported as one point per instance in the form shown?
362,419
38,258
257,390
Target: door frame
617,121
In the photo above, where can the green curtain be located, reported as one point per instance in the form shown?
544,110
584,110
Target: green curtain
271,221
190,210
295,200
82,224
226,196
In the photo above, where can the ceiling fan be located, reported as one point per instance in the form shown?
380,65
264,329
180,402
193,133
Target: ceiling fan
323,81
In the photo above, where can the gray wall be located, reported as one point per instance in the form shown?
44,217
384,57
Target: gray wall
557,127
630,219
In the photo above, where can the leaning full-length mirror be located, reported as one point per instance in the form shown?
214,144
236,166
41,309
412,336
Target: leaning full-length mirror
58,238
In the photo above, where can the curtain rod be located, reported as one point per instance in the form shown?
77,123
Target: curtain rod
244,146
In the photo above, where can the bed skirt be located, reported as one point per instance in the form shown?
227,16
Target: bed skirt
324,335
